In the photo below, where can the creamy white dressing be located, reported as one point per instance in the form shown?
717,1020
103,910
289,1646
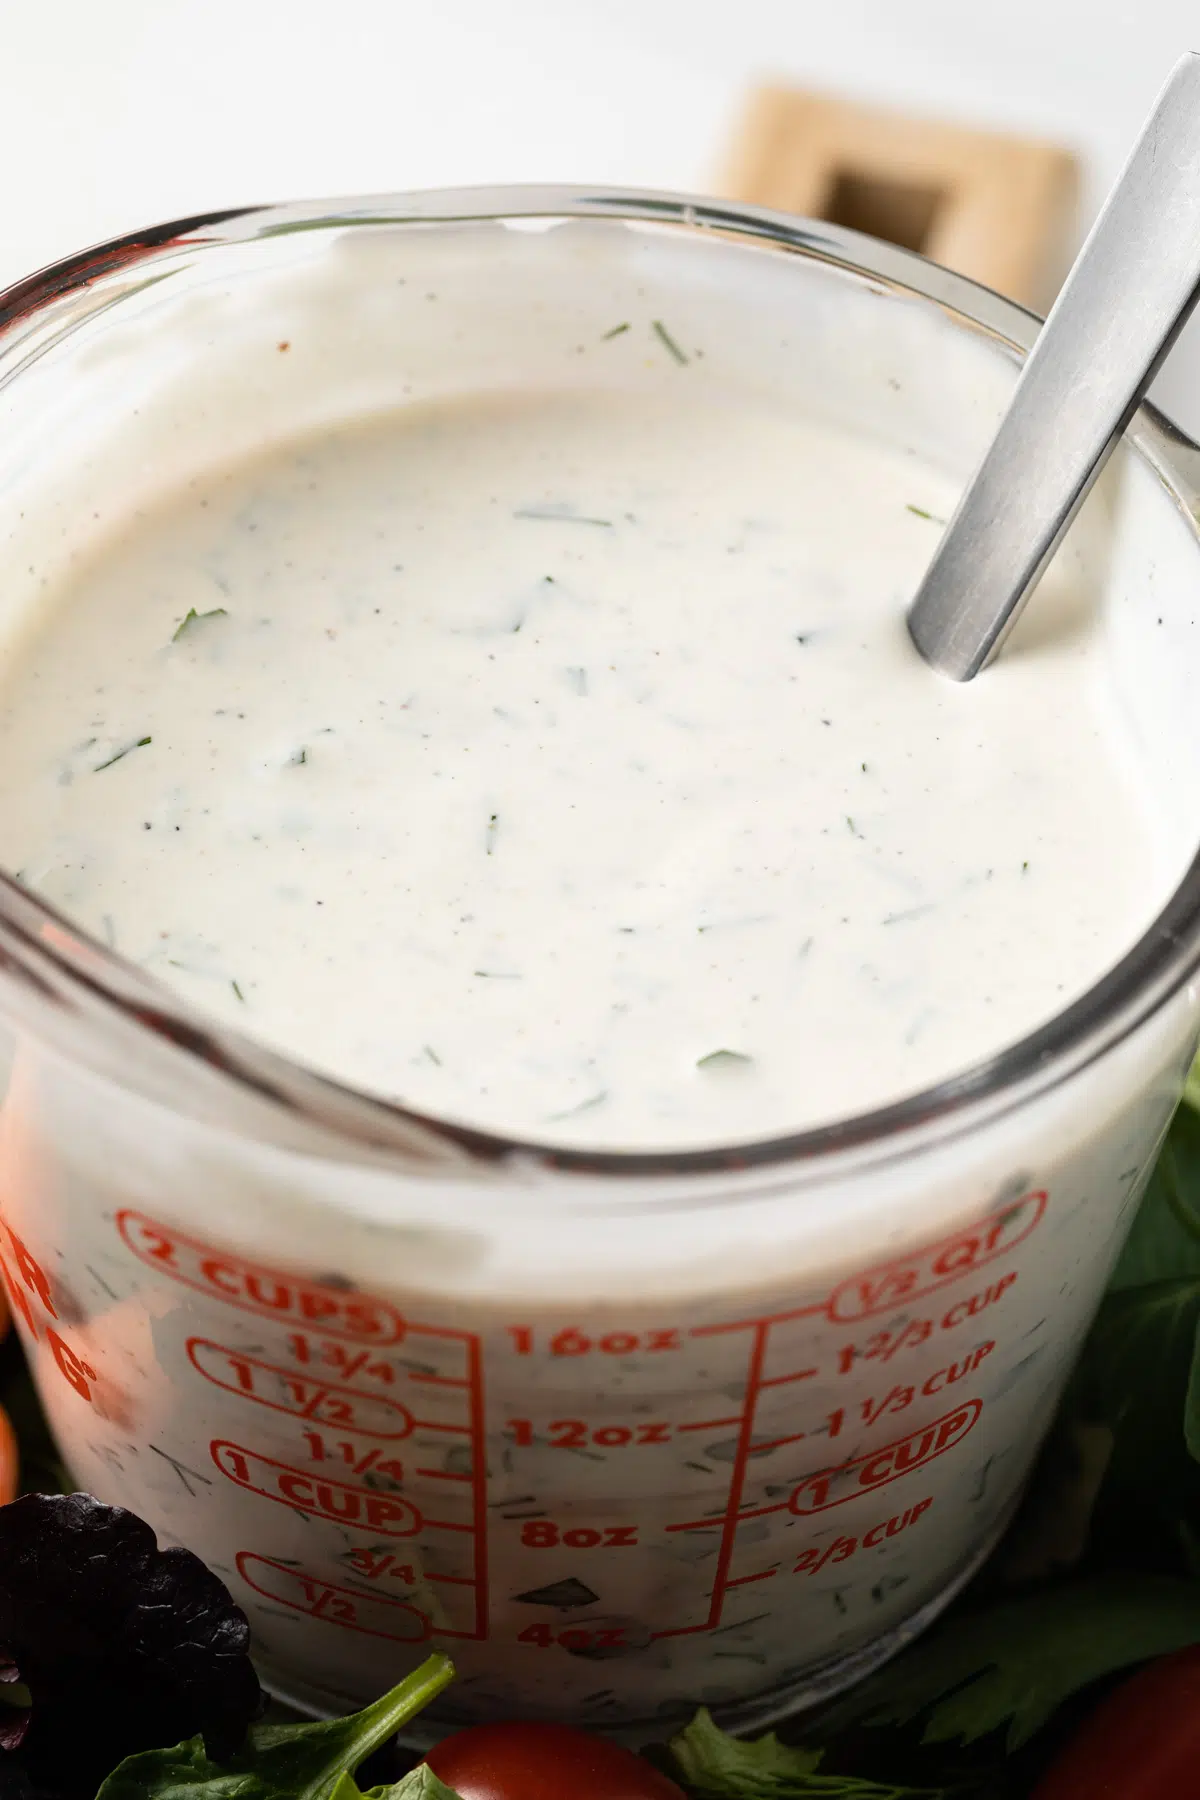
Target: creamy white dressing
528,673
560,763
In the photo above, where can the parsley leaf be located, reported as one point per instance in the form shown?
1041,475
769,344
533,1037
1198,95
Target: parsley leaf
714,1766
192,617
313,1761
1013,1664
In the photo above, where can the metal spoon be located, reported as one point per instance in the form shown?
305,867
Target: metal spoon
1129,294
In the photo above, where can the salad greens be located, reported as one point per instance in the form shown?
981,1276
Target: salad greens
313,1761
111,1648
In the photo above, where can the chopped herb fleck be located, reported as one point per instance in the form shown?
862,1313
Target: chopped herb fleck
667,341
615,332
432,1054
1024,868
298,756
139,744
922,514
192,617
724,1059
237,990
491,833
583,1106
560,515
497,974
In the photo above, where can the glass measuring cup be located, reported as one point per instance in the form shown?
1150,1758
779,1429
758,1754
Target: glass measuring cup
623,1433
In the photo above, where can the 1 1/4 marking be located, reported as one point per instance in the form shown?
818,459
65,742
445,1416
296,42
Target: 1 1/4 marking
361,1461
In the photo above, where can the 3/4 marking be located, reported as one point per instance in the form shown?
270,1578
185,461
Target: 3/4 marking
375,1615
267,1292
386,1514
325,1402
833,1487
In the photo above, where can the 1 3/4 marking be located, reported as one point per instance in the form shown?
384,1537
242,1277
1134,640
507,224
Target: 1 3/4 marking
576,1434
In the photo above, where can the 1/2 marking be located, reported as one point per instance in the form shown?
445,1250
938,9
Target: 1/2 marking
375,1615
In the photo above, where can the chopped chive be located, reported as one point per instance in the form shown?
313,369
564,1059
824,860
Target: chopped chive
615,332
237,990
432,1054
298,756
573,1112
724,1059
667,341
922,514
116,757
557,515
192,617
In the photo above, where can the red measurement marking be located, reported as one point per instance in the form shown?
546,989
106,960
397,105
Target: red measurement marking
268,1292
890,1285
833,1487
729,1523
375,1615
479,1570
375,1564
325,1402
317,1494
894,1284
814,1559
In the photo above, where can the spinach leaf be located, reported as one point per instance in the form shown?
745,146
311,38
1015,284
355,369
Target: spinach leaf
313,1761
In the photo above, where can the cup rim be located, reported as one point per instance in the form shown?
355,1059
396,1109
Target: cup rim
60,961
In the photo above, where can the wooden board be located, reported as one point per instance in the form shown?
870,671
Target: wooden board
1000,209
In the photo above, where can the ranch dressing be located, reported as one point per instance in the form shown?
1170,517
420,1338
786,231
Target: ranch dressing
471,659
560,763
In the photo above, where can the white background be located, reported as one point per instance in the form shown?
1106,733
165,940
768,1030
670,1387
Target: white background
118,113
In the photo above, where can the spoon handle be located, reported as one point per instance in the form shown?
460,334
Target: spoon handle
1130,292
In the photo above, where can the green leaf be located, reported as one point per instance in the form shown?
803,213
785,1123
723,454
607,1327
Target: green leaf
1164,1242
1013,1664
419,1784
284,1762
192,618
1191,1091
714,1766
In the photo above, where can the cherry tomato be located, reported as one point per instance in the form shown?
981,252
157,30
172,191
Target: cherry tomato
1142,1743
8,1460
533,1761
